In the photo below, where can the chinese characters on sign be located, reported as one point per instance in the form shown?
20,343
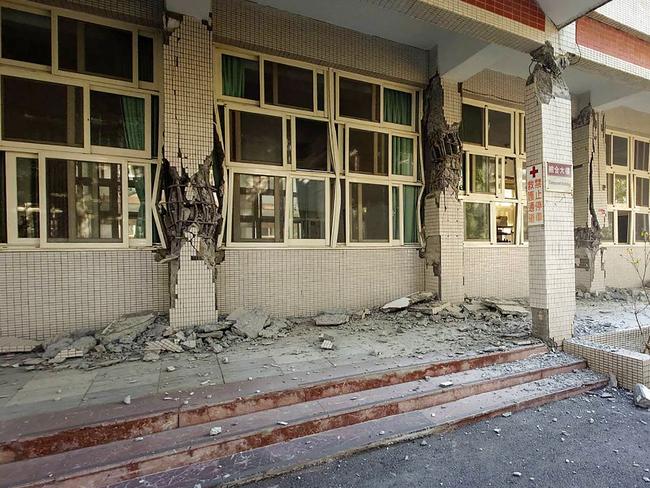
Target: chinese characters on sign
559,177
535,194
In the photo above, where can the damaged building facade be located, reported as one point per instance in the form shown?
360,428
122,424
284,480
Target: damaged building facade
194,158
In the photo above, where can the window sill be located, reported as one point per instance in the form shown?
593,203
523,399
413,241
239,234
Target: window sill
12,248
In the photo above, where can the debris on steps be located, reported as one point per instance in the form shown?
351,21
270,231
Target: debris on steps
642,396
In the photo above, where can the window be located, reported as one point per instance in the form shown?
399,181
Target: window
82,49
240,77
368,152
641,155
137,202
617,150
477,221
358,99
291,149
145,58
642,194
41,112
258,212
26,36
288,86
623,224
641,227
499,128
3,198
608,229
117,121
397,107
307,209
368,212
84,201
493,173
256,138
27,198
312,144
617,189
482,174
403,158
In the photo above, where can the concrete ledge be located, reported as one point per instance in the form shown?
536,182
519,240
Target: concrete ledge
615,352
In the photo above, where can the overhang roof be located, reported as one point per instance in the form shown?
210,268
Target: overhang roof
563,12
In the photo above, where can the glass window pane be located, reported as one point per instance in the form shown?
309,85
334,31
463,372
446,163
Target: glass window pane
3,199
307,211
358,99
619,150
623,231
642,188
116,120
510,178
258,213
396,213
240,77
641,227
403,156
641,154
608,229
255,138
27,198
341,234
312,144
368,213
410,214
83,49
397,107
506,214
483,176
368,152
136,202
620,189
288,86
320,91
610,189
145,58
477,221
608,149
471,127
524,210
499,128
84,201
38,111
26,37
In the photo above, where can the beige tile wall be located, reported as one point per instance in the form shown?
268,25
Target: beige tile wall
496,271
46,293
306,281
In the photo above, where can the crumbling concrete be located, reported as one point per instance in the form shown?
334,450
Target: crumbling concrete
642,396
248,323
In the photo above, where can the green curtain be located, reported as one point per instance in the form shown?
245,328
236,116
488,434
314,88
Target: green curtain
402,153
396,229
410,214
232,75
133,121
397,107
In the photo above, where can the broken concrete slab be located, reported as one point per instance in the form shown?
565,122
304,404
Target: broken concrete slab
327,345
641,396
436,309
506,308
276,327
53,348
248,323
127,327
17,344
163,345
407,301
84,344
326,319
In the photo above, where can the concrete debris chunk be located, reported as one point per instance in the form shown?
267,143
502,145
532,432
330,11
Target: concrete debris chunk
273,330
641,396
248,323
505,307
407,301
56,346
127,327
127,400
436,309
215,430
84,344
151,356
163,345
17,344
327,345
330,320
64,354
446,384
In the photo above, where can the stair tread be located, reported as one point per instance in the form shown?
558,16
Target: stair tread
301,452
185,439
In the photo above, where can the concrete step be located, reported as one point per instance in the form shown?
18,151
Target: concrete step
122,460
57,432
284,457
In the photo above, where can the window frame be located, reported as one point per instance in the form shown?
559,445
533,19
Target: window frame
44,11
42,242
500,154
338,130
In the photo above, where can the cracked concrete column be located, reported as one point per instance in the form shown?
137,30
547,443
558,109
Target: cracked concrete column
550,207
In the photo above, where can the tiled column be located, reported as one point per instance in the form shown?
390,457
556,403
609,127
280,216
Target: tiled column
443,222
187,141
551,247
590,197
